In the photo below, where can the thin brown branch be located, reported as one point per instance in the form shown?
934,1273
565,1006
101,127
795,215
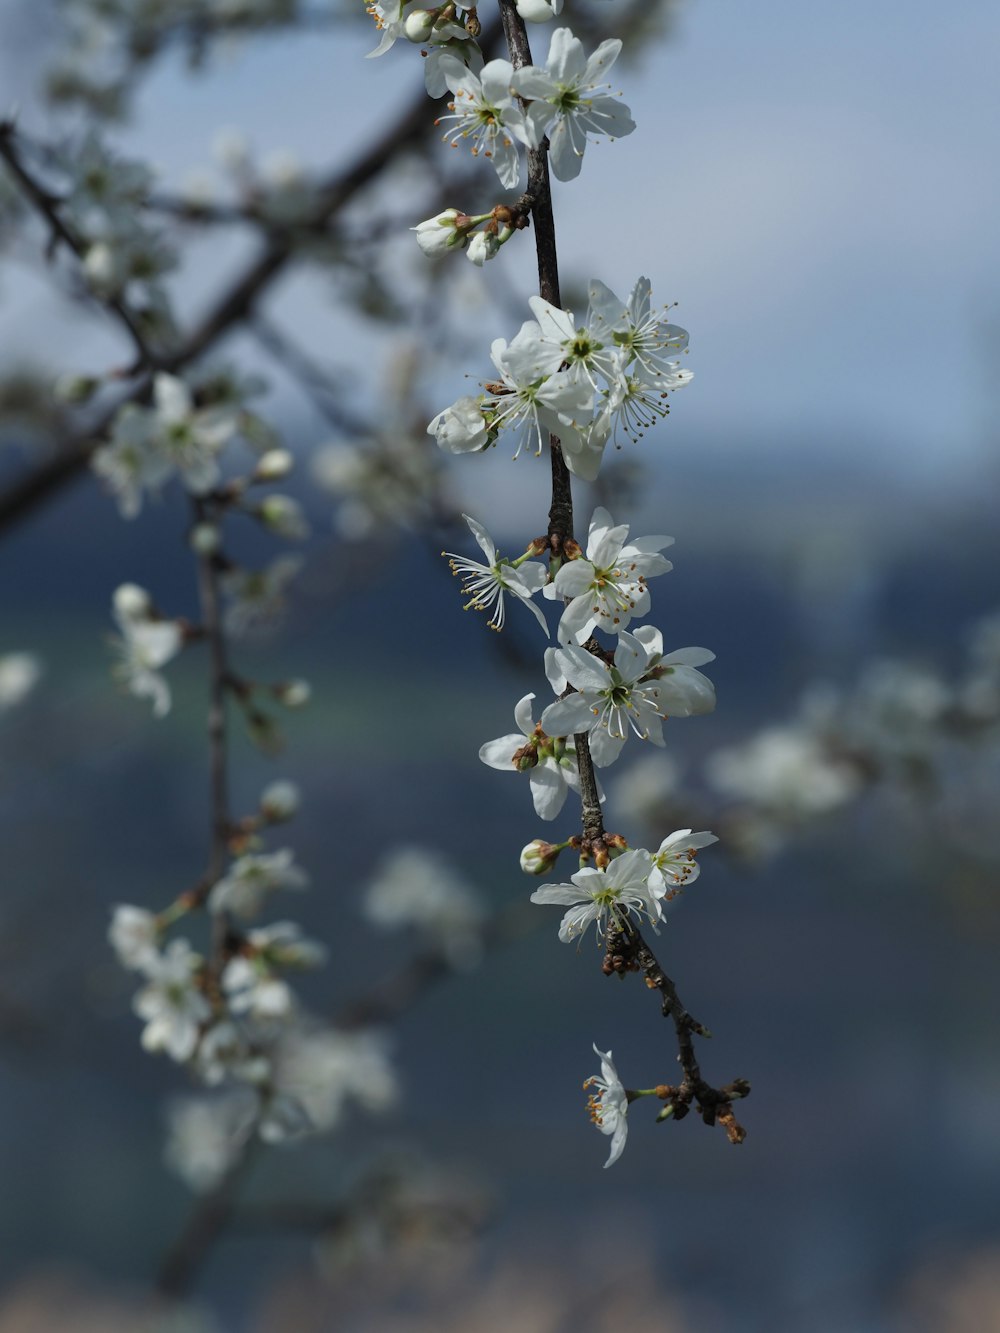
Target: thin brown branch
238,303
626,949
219,676
561,509
206,1222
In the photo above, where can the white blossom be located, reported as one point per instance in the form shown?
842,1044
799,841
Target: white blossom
282,944
144,645
569,104
252,990
279,800
786,770
206,1135
538,11
534,397
461,428
134,935
190,438
284,517
129,464
623,887
674,863
250,879
487,583
439,57
171,1004
549,761
608,587
486,113
322,1070
413,887
609,699
635,328
439,234
390,20
19,674
257,596
609,1106
583,353
483,246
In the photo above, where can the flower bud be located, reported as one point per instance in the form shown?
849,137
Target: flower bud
294,693
279,800
538,11
439,234
418,26
274,465
483,246
100,269
131,602
205,539
284,517
539,857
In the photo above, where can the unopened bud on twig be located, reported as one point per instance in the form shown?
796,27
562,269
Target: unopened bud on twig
539,856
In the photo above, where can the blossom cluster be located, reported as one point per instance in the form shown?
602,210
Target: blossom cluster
239,1026
124,254
603,380
183,434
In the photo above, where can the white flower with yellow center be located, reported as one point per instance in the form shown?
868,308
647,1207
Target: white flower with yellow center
674,863
609,1105
623,887
608,587
486,114
487,583
569,103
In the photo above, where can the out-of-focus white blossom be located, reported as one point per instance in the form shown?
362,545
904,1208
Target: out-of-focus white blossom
257,596
143,646
190,438
134,935
172,1004
785,770
415,888
284,517
251,879
323,1070
252,990
19,674
207,1134
385,482
128,464
282,944
295,693
280,800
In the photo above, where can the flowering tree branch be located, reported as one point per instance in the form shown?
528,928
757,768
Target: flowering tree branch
47,206
571,387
